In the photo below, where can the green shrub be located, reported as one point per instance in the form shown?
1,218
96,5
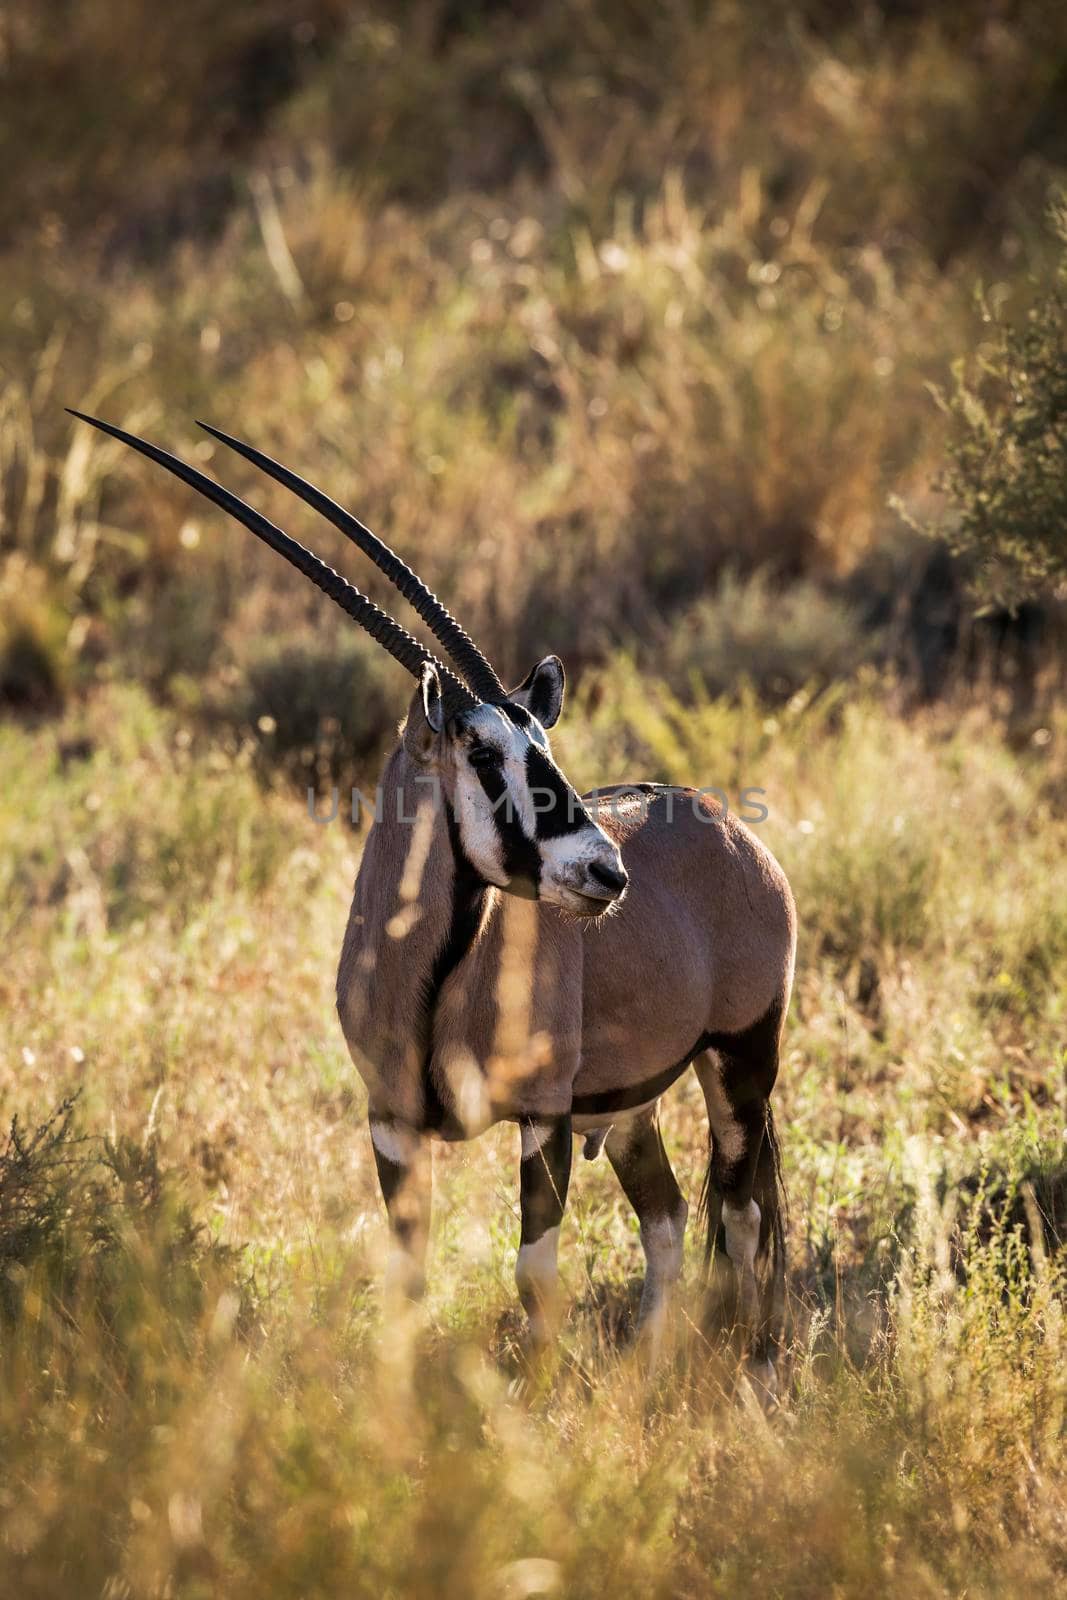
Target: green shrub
80,1213
777,637
322,712
34,659
1007,478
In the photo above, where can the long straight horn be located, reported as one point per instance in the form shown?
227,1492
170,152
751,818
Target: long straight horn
460,646
381,627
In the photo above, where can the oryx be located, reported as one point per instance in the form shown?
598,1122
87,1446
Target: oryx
516,952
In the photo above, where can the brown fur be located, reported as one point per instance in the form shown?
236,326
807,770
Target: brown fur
544,1009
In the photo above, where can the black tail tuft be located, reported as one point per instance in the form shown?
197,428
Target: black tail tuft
710,1205
773,1203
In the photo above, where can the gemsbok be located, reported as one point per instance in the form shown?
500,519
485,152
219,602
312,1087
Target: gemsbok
517,952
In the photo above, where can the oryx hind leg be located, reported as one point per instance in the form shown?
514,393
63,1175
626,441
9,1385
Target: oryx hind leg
402,1158
635,1149
544,1176
743,1189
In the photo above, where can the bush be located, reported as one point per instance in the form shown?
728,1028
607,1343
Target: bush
779,638
77,1210
34,664
1007,478
320,711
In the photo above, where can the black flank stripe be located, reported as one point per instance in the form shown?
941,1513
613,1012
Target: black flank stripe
755,1045
591,1105
565,814
611,1100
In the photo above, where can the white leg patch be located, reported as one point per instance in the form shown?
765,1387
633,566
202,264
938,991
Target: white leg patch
396,1144
538,1264
742,1242
663,1240
536,1274
404,1275
535,1135
742,1233
729,1132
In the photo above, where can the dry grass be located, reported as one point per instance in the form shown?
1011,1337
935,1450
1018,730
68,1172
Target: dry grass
620,320
171,932
685,320
552,416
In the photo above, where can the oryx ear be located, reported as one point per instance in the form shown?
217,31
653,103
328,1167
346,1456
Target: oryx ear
432,707
426,716
542,691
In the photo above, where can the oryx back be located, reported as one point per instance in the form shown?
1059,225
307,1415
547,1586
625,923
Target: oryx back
701,949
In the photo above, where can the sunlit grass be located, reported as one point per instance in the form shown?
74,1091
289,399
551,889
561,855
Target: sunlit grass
619,321
583,397
171,955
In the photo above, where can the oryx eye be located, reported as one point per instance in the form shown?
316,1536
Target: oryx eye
484,755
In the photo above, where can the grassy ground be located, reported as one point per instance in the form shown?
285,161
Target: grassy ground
179,1419
621,320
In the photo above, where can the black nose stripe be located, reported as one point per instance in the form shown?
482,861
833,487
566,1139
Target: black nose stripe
558,808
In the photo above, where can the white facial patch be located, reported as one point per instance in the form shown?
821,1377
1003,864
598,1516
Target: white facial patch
474,814
517,781
513,799
478,815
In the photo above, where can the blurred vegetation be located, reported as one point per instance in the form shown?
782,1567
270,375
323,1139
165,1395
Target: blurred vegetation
1008,474
98,1223
622,322
587,306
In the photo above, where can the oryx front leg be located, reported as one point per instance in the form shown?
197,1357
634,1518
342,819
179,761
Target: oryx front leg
544,1174
403,1161
635,1150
